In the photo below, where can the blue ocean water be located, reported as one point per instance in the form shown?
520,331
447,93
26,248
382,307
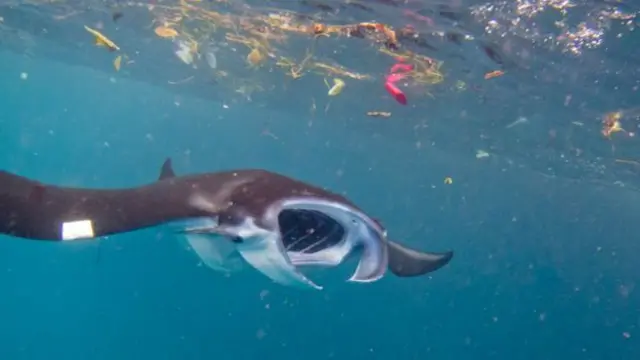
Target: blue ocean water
545,267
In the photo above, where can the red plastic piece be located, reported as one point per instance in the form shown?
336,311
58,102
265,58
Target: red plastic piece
400,68
396,93
395,75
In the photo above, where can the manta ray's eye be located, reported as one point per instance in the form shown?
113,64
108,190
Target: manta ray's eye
237,239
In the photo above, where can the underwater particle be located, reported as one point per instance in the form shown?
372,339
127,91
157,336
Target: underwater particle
626,289
326,108
268,133
626,335
542,316
116,16
384,114
461,85
630,162
263,294
337,87
117,62
481,154
165,32
493,74
24,76
448,180
102,40
520,120
181,81
255,57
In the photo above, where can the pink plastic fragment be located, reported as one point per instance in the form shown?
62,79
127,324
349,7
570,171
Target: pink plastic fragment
397,94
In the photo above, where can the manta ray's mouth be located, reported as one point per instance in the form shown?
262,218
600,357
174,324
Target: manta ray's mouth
319,232
302,231
309,231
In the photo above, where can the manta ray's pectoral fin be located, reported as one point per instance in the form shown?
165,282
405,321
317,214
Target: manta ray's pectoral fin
406,262
216,252
199,229
214,248
166,172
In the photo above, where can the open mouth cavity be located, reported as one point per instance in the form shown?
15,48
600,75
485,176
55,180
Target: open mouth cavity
309,231
315,232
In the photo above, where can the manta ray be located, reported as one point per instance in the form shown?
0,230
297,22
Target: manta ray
272,222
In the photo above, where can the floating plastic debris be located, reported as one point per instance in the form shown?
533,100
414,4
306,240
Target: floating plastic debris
210,55
184,51
397,72
493,74
102,40
384,114
166,32
337,87
611,123
199,33
397,94
117,62
400,67
255,57
481,154
519,121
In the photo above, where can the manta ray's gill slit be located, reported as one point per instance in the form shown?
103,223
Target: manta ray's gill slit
313,245
324,238
291,233
328,233
309,231
313,232
298,241
288,232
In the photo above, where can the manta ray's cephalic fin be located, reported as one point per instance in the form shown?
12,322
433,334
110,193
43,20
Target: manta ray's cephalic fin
405,262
